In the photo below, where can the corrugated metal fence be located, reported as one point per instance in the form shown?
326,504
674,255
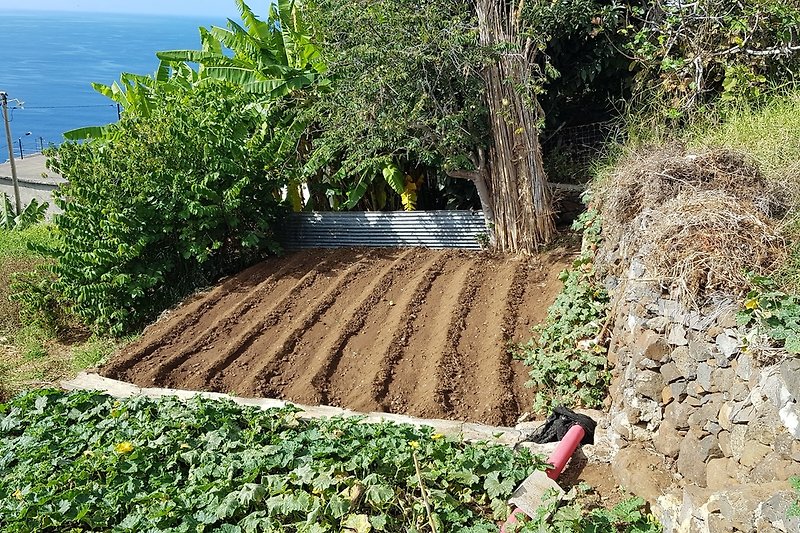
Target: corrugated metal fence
429,229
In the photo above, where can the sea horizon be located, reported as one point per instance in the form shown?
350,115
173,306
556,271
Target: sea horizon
53,57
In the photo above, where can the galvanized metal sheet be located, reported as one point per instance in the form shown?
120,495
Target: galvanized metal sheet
429,229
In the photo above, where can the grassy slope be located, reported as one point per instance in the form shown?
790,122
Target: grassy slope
29,355
771,136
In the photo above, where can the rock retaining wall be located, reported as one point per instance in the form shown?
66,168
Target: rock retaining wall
699,429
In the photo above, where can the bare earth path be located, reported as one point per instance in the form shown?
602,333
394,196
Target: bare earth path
414,331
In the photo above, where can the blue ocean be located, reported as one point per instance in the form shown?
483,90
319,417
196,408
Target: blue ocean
48,60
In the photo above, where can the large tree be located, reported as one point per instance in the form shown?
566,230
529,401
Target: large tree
434,84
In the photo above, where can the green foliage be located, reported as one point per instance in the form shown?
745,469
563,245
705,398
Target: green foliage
172,200
19,258
40,304
31,214
774,312
629,516
566,356
93,352
689,55
585,73
794,510
269,58
406,92
86,462
23,244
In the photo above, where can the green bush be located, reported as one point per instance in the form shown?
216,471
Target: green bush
628,516
566,357
773,312
168,201
87,462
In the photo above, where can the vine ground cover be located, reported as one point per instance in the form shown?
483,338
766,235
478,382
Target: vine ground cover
84,461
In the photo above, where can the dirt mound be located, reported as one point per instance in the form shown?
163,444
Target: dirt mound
413,331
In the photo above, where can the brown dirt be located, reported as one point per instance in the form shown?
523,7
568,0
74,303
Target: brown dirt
412,331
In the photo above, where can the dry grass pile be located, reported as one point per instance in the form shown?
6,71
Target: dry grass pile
699,221
705,242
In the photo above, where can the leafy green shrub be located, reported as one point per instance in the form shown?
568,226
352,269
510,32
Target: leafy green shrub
774,312
566,357
89,462
31,214
794,510
19,257
166,202
628,516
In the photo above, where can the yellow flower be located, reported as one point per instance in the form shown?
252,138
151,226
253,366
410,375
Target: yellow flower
751,304
18,494
184,445
124,447
437,436
414,444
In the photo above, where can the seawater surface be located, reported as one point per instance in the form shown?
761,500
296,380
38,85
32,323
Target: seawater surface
49,60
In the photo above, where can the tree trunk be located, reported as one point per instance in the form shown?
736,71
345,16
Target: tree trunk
480,177
520,196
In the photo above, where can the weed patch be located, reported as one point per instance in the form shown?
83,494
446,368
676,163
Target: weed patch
566,355
794,510
579,516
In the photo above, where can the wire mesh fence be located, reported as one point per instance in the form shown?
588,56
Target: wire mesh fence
570,152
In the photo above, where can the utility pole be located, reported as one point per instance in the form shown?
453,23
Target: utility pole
17,201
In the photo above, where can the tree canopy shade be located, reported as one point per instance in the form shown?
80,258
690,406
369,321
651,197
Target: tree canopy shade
433,84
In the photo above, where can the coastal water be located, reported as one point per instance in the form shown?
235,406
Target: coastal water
48,60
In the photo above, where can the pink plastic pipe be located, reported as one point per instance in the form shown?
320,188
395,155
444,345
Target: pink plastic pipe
558,459
564,451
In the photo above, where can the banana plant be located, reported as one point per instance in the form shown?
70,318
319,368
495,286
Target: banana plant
272,57
138,94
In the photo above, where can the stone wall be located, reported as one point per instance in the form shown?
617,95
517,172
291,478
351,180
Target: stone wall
701,430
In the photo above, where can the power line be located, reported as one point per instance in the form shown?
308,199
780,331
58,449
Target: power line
62,106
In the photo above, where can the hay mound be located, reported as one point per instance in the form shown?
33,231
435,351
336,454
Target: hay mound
649,177
706,241
699,222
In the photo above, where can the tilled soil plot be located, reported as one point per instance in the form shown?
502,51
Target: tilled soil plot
413,331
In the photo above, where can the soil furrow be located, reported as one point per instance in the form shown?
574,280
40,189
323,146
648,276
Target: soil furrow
360,359
476,385
400,340
175,371
303,375
416,331
238,354
449,369
238,326
267,350
191,318
204,325
412,387
513,372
